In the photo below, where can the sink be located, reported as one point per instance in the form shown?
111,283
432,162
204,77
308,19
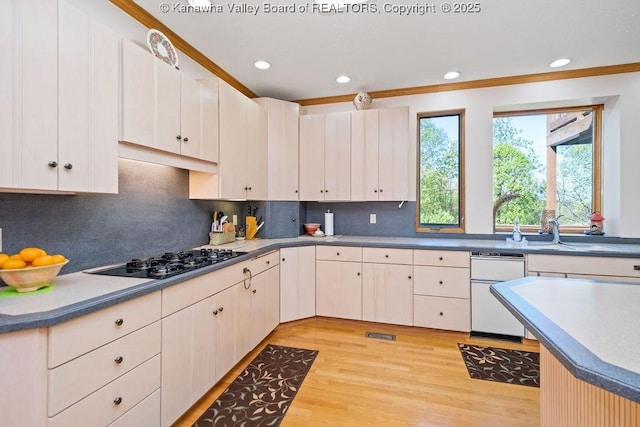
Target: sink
595,247
549,245
575,246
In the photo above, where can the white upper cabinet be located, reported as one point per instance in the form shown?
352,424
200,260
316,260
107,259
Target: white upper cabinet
88,104
28,94
380,154
325,156
57,110
243,146
165,109
282,148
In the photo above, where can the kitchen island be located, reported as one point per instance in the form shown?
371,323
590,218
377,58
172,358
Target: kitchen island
590,351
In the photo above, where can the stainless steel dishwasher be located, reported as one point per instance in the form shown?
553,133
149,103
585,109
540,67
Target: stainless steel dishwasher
488,316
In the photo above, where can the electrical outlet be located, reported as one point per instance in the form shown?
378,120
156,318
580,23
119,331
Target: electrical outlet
235,220
372,218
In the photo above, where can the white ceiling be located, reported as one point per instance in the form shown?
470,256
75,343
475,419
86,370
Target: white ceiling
384,50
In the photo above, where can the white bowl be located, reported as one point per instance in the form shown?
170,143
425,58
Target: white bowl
31,279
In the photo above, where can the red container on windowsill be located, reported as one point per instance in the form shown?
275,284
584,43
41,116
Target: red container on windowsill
597,226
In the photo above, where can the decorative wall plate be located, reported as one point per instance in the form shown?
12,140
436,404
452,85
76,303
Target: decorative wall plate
161,47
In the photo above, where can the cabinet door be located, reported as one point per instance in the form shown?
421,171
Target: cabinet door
256,152
282,148
312,157
225,331
387,293
166,125
233,149
364,155
265,304
394,151
209,119
339,289
29,94
137,95
297,283
88,104
188,357
337,158
190,142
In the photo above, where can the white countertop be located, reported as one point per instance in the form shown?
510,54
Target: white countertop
590,326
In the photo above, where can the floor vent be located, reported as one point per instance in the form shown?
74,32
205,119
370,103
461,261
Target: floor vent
380,336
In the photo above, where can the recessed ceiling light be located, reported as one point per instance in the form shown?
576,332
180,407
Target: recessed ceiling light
262,65
343,79
560,62
451,75
200,3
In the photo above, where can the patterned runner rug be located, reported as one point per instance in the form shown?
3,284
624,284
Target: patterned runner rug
502,365
262,393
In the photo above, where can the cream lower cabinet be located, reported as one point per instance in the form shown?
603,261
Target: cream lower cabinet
339,282
297,283
95,378
210,323
387,286
441,297
584,267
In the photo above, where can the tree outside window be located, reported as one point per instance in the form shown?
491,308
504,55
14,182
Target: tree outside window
440,164
546,164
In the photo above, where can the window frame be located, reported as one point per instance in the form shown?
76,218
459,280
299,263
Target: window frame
596,196
426,228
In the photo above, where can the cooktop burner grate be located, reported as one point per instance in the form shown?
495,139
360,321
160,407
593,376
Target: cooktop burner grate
170,263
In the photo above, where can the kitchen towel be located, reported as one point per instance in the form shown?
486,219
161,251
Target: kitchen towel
328,223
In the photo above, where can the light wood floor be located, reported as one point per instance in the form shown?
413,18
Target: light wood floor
417,380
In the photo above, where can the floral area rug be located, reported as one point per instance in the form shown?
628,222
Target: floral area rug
502,365
262,393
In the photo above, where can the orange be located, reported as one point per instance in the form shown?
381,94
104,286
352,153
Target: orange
12,264
29,254
16,256
42,261
3,258
57,258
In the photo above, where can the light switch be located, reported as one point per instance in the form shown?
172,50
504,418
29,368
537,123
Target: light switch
235,220
372,218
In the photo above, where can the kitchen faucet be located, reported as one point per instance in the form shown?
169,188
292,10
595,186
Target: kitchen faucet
555,229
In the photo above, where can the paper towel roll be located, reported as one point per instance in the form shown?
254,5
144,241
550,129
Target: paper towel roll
328,223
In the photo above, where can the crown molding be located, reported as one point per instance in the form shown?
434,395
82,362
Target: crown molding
479,84
145,18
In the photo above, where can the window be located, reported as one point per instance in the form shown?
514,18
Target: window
546,164
441,164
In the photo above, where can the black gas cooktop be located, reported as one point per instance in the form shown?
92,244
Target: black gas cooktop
170,263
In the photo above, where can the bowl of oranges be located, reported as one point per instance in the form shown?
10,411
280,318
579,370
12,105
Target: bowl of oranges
30,269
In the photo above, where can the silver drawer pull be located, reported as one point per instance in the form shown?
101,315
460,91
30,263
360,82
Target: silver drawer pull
118,359
119,322
117,400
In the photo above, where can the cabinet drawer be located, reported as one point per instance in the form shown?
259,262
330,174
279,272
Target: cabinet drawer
144,414
80,377
70,339
191,291
442,313
440,257
601,266
113,400
387,256
441,281
339,253
263,262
